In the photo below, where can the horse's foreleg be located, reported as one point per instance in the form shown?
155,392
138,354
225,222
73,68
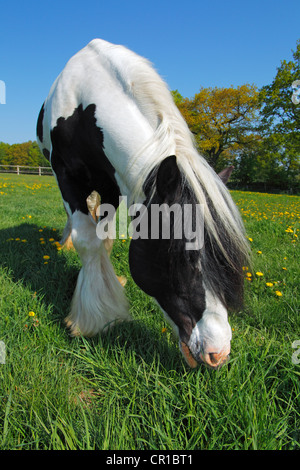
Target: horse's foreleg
99,299
93,202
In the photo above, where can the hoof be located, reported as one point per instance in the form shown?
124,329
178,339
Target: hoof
122,280
68,244
73,330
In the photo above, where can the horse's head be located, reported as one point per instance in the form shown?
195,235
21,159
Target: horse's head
192,287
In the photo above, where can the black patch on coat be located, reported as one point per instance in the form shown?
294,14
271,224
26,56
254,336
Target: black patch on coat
46,154
79,161
39,125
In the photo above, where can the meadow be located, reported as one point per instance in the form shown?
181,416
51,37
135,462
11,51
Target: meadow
131,389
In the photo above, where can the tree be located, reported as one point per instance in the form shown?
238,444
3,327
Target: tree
281,118
27,154
177,97
279,113
223,120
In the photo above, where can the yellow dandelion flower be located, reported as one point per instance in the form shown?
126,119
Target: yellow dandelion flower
269,284
259,274
278,293
51,239
17,239
250,239
284,269
248,274
164,330
31,314
46,257
24,241
40,230
123,241
259,252
245,268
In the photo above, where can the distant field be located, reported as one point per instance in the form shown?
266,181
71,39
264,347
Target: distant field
131,388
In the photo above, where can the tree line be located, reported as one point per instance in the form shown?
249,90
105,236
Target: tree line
26,154
254,130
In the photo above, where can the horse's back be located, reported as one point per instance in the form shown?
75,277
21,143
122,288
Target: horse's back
100,70
100,75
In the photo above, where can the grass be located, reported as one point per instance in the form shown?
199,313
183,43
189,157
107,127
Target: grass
131,388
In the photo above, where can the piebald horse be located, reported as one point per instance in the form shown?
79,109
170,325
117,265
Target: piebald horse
109,125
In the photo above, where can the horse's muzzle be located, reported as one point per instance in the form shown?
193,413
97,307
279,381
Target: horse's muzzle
215,360
212,359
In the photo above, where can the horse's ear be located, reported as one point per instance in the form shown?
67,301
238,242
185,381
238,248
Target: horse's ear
168,179
226,173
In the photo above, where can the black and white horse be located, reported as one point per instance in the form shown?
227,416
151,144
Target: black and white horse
110,125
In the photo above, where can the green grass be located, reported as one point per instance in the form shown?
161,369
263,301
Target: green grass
131,388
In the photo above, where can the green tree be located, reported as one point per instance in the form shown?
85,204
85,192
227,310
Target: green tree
281,121
177,97
26,153
279,113
223,120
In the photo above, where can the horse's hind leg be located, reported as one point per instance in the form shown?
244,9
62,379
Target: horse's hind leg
66,240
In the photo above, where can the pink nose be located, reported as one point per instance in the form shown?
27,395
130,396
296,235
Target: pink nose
214,359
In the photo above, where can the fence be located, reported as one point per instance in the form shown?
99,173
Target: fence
26,170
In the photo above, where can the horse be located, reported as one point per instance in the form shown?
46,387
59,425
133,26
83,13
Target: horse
110,126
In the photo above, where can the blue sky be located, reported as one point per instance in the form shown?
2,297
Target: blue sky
192,43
